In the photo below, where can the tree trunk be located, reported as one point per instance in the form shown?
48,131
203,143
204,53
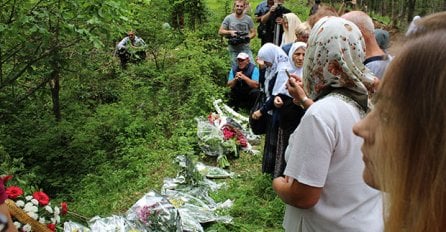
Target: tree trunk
410,9
55,64
55,87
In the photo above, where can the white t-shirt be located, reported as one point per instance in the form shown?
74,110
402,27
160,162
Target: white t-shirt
324,152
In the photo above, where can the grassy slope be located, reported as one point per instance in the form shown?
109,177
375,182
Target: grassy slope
256,207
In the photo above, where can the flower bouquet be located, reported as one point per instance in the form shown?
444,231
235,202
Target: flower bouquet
155,213
33,212
222,136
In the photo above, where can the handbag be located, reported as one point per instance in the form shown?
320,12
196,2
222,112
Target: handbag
258,126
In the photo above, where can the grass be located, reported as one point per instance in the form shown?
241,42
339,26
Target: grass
256,207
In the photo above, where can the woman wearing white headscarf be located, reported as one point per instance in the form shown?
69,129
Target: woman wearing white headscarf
296,55
276,62
323,186
289,114
290,23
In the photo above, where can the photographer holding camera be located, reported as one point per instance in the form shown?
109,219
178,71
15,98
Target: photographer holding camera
271,19
239,29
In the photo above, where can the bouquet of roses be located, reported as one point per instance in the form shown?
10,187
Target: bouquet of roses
33,210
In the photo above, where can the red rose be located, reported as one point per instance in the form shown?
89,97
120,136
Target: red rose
41,197
13,192
52,227
63,208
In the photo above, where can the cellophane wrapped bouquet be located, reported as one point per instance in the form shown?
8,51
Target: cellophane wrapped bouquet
224,134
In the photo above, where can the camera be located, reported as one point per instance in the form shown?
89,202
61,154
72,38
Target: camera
240,38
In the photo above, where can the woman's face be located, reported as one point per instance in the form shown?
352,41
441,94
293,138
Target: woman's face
285,23
298,57
370,129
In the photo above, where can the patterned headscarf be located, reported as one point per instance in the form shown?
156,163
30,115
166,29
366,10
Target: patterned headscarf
333,61
298,71
272,53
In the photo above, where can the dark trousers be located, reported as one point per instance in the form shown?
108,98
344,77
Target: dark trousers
243,99
126,57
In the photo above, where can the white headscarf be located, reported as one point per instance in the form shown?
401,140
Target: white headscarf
296,70
272,53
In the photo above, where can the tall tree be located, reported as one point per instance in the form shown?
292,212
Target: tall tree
38,39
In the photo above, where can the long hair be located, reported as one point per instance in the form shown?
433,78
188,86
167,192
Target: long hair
411,167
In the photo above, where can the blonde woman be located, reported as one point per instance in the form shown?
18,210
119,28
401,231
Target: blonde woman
404,147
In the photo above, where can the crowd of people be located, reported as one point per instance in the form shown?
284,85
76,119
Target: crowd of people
354,139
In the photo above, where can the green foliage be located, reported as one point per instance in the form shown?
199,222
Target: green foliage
119,130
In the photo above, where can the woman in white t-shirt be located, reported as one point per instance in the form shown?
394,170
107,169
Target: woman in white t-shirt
323,186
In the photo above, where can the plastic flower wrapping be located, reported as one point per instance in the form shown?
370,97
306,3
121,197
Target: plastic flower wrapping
224,134
183,204
155,213
34,208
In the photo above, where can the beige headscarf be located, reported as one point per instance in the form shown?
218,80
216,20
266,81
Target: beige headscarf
289,34
333,62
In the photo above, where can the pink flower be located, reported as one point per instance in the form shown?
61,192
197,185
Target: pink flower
242,141
228,133
41,197
13,192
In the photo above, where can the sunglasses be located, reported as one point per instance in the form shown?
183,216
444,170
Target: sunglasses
241,60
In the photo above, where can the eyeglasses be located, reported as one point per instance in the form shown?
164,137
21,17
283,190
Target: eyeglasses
241,60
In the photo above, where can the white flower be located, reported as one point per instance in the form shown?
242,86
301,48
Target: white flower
20,203
42,220
49,209
34,201
33,215
27,228
28,198
17,225
57,219
56,210
29,207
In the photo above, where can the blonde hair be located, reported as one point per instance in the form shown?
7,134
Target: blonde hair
303,29
411,166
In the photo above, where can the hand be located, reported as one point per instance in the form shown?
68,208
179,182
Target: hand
260,62
274,7
279,20
295,87
256,115
239,75
233,33
278,102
